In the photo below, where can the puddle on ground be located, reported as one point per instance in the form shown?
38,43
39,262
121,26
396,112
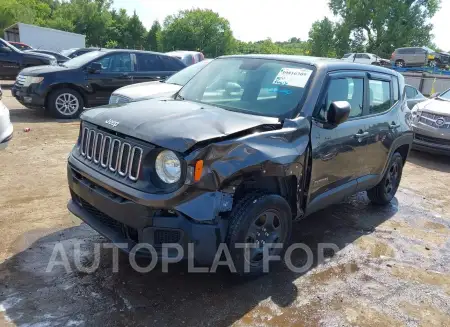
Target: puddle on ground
375,247
426,315
423,276
339,272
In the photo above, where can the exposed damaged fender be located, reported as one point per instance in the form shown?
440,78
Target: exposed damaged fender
275,153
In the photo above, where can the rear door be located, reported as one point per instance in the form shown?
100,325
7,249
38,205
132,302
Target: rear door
117,71
150,67
383,120
339,153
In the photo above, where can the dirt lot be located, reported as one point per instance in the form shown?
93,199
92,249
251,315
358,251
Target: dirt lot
392,269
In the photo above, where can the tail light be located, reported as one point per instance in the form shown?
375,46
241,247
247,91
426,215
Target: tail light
392,55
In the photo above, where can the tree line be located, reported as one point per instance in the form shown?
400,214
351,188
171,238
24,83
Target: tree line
377,26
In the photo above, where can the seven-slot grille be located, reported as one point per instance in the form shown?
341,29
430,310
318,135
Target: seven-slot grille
111,153
20,80
432,119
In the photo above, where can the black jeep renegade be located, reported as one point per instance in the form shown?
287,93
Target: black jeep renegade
250,144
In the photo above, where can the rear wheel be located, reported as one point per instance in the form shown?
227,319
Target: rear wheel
65,103
256,221
400,63
385,191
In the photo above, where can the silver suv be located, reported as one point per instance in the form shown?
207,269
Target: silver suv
431,124
419,56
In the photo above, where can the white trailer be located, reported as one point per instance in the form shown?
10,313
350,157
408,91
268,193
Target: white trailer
44,38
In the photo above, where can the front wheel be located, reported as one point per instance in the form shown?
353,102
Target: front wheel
65,103
385,191
257,221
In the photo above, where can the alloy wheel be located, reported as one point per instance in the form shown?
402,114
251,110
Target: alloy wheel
67,104
267,228
392,180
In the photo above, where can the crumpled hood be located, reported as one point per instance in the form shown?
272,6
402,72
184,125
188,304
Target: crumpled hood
435,106
147,90
173,124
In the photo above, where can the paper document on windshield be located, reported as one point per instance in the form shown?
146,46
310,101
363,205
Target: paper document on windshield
297,77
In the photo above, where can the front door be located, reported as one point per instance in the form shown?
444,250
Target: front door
338,154
9,61
117,71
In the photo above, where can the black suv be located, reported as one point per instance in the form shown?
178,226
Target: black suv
13,60
89,80
247,146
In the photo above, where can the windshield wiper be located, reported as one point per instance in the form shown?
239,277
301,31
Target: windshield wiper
178,97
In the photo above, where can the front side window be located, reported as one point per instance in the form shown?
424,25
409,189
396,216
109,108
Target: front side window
411,92
379,96
118,62
344,89
445,95
249,85
82,60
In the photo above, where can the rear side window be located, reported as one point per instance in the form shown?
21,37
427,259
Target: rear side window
149,63
171,64
379,96
344,89
117,62
406,51
362,56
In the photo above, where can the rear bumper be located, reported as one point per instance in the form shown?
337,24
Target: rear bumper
124,221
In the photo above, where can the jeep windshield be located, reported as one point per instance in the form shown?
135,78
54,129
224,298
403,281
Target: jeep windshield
265,87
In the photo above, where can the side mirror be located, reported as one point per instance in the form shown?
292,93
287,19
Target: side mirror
95,68
435,95
338,112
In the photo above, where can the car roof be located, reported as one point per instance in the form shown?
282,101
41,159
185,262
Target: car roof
327,64
182,52
133,51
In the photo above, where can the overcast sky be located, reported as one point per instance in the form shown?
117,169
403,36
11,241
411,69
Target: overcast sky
253,20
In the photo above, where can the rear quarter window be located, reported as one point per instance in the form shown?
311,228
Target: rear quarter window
172,64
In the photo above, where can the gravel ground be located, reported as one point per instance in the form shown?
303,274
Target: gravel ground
392,267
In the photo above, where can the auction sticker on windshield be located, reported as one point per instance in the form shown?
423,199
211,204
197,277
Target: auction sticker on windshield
297,77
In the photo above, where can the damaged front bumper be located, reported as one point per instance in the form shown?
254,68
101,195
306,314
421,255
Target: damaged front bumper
126,215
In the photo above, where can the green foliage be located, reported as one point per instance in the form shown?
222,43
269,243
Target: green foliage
202,30
377,26
322,38
154,38
380,26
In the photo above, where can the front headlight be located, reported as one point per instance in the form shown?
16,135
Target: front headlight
168,167
32,80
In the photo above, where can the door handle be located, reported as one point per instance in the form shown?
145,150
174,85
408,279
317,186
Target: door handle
125,76
361,134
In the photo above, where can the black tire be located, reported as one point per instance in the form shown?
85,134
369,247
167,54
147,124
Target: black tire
54,103
375,63
400,63
385,191
246,216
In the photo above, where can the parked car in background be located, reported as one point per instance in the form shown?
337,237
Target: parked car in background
414,56
75,52
188,57
59,57
89,80
149,90
431,124
21,46
13,60
365,58
413,96
250,144
6,128
442,59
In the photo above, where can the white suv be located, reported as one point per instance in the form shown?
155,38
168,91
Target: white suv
6,128
365,58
